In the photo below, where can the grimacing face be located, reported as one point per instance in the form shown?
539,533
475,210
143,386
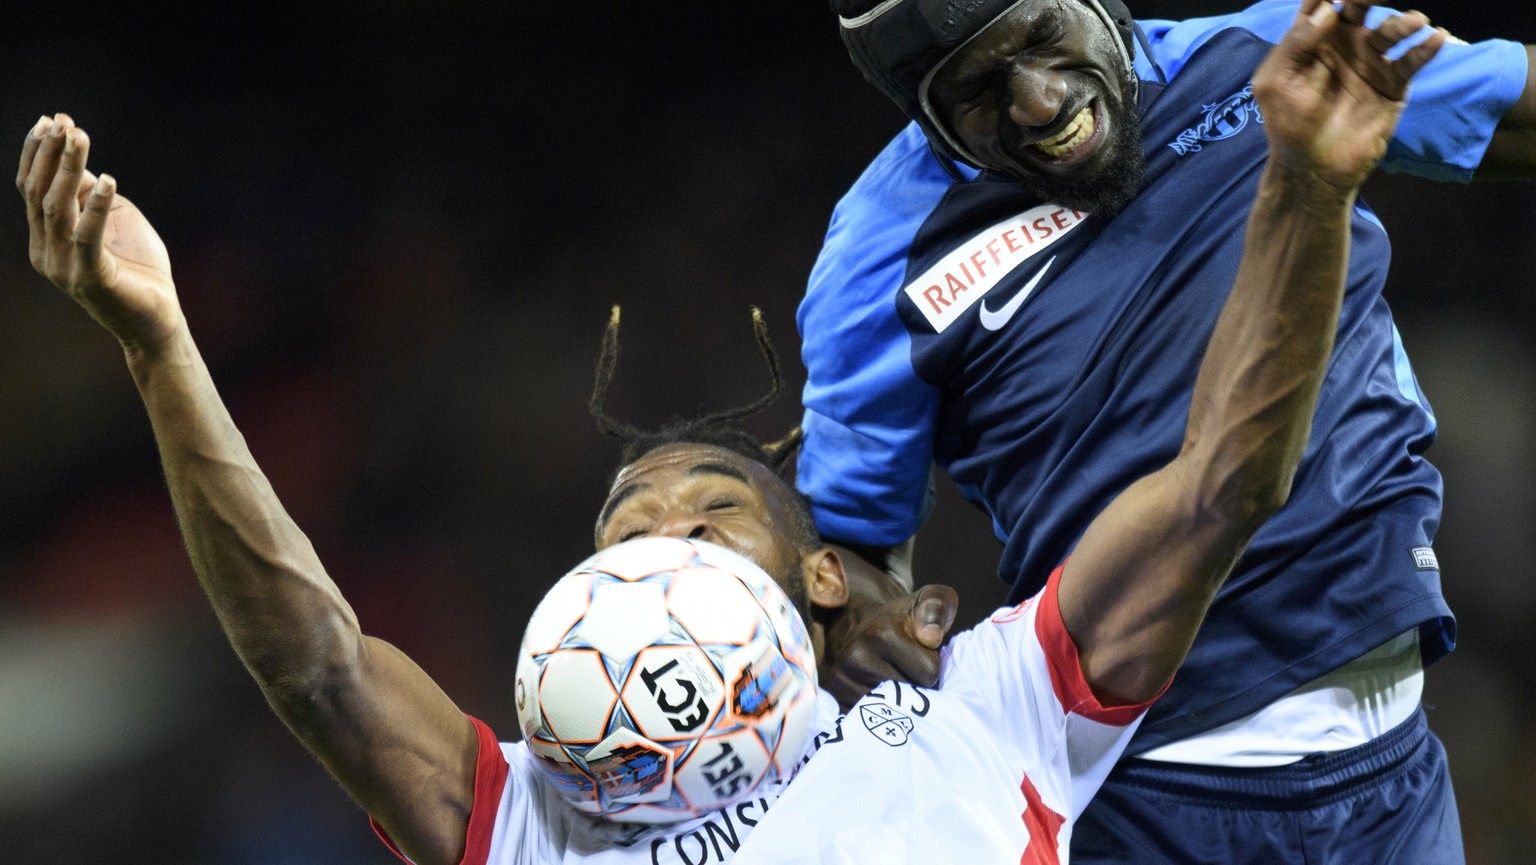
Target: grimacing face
712,494
1044,97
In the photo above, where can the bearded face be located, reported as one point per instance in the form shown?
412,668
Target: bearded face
1044,96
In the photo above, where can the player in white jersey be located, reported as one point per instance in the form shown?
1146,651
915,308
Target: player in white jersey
1036,702
992,766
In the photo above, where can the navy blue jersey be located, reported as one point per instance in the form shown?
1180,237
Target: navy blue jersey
1045,359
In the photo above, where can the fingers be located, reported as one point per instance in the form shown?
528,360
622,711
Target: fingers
1398,29
61,205
859,669
1395,29
39,160
897,639
878,655
933,614
1354,11
1317,34
910,651
29,151
67,205
894,640
1300,43
49,177
93,220
1415,58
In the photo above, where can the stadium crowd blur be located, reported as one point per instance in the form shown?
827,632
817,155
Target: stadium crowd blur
397,230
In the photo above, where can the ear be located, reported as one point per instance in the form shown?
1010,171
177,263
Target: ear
826,584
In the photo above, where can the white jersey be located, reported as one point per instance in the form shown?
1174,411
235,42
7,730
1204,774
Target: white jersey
519,819
993,766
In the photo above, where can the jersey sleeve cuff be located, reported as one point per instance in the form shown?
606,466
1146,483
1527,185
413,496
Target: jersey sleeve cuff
490,781
1066,668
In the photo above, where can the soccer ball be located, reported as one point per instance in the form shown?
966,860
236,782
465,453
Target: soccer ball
664,678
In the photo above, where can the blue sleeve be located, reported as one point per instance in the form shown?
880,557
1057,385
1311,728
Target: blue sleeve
1454,106
869,420
1172,42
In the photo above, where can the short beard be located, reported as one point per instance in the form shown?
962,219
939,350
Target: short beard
792,581
1109,191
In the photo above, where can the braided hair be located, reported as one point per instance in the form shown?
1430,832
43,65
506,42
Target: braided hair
721,429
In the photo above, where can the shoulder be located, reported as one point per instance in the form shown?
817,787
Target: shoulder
1172,42
1030,644
903,183
864,256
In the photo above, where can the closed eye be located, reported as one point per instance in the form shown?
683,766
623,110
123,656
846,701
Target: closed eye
1047,31
967,94
722,505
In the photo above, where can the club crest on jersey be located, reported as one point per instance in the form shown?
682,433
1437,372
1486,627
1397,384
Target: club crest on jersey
958,280
888,725
1018,612
1222,120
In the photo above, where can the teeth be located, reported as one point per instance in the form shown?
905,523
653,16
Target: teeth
1068,139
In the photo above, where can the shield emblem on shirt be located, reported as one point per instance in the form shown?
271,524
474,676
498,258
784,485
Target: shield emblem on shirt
887,724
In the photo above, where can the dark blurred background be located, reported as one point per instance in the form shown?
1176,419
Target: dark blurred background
397,230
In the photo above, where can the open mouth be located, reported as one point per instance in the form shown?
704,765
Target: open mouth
1072,138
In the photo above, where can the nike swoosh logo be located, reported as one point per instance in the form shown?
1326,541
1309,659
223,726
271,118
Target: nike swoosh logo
992,320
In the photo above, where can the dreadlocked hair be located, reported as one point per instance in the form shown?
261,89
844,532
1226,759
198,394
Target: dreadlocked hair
721,429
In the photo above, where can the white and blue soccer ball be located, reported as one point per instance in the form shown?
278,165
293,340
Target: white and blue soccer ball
664,678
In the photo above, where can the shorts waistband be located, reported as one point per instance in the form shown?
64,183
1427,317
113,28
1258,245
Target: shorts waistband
1307,783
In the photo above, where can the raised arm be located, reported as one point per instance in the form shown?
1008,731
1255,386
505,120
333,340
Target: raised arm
1144,573
382,727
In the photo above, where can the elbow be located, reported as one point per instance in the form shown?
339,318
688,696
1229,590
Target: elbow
1254,503
310,700
310,676
1247,494
1132,683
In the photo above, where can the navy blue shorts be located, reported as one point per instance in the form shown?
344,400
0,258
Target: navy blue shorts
1387,802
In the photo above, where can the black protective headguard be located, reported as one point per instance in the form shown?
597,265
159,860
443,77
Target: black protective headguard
898,44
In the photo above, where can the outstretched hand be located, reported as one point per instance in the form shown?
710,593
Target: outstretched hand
93,243
1329,94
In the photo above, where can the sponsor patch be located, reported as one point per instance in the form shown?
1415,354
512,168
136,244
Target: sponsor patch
960,279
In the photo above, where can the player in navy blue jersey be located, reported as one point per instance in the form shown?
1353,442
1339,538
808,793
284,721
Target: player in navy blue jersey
1017,290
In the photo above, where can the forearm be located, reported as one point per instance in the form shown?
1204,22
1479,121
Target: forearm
1251,411
398,745
1134,615
283,615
